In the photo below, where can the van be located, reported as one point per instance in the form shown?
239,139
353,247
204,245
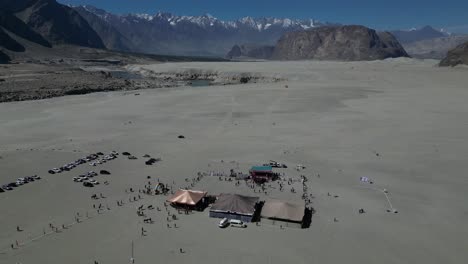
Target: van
224,223
237,223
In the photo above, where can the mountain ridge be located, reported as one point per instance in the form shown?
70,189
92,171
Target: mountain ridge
413,35
205,35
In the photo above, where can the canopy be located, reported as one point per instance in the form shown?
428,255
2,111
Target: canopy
283,210
188,197
235,203
261,168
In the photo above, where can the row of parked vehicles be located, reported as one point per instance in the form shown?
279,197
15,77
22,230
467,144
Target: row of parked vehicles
94,159
87,179
19,182
104,159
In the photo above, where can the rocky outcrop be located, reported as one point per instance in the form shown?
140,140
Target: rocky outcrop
250,51
345,43
456,56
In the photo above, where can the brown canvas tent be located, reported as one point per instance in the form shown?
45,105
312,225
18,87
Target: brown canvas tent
187,197
283,211
234,206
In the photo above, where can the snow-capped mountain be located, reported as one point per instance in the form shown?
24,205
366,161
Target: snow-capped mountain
191,35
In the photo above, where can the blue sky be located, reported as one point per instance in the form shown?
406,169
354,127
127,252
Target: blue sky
394,14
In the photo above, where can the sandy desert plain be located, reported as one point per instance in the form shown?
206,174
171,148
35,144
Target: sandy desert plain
403,123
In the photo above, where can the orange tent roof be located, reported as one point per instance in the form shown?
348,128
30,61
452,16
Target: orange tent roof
188,197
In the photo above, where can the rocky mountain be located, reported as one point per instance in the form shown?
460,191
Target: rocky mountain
59,24
11,23
28,24
4,58
456,56
412,35
111,38
348,43
435,48
9,43
250,51
166,33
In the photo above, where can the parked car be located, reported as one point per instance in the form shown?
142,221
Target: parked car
12,184
88,184
224,223
29,179
36,177
6,187
94,182
1,190
56,170
19,183
237,223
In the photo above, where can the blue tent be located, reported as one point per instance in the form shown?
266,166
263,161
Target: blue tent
261,168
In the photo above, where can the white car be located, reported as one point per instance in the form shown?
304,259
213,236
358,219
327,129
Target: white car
18,182
56,170
94,182
224,223
237,223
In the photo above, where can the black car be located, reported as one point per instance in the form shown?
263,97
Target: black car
12,184
51,172
1,190
88,184
6,187
28,179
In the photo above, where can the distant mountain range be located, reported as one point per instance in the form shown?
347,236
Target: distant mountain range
428,42
413,35
46,23
165,33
